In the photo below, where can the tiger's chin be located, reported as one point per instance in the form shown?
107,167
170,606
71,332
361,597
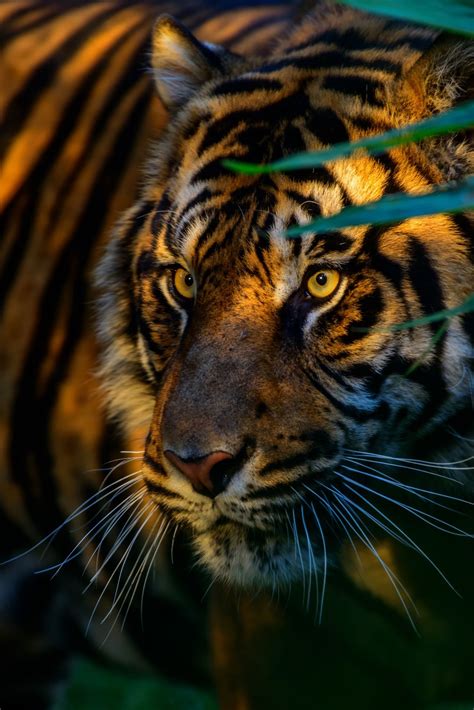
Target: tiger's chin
251,558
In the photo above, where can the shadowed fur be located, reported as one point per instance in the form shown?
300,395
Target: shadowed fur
254,365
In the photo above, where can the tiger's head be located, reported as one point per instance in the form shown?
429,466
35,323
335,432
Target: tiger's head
256,361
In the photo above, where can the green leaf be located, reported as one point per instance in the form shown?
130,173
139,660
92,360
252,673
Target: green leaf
455,15
99,687
457,119
465,307
448,198
436,338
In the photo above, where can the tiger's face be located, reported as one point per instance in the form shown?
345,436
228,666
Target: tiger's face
261,361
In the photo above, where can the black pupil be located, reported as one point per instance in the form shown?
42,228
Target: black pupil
321,279
188,280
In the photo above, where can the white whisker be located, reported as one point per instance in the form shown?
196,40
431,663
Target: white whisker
420,514
405,538
358,530
325,562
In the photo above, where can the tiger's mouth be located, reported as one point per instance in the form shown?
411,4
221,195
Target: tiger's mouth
253,535
253,556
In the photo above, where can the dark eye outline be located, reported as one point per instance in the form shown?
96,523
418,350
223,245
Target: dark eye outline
313,272
184,300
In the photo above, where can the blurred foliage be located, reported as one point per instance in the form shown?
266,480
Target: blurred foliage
456,197
98,687
457,15
457,119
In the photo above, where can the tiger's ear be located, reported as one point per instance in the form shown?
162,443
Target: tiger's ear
442,78
181,63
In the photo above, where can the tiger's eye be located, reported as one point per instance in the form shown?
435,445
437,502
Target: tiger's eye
184,283
323,283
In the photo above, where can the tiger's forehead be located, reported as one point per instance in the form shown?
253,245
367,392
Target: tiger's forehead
221,218
242,213
202,187
244,235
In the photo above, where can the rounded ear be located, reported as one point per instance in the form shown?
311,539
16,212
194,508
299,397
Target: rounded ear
442,78
181,63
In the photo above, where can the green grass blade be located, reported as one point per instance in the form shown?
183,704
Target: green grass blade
448,198
466,306
435,339
455,15
457,119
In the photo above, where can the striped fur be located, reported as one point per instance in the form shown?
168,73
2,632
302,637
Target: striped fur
253,367
78,111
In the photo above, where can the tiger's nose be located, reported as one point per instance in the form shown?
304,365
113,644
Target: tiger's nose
209,475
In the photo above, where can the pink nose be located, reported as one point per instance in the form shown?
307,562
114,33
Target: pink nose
200,471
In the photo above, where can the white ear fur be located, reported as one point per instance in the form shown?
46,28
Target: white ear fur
181,64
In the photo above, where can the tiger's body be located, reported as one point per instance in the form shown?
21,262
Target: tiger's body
267,399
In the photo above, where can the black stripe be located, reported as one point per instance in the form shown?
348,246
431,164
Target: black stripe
381,411
164,312
261,248
425,281
328,60
369,90
323,447
31,410
19,245
212,171
202,196
370,124
208,233
392,184
467,320
50,14
211,250
431,379
297,197
9,34
69,120
122,264
287,488
18,14
162,214
296,244
292,106
353,40
21,104
155,489
340,378
327,126
391,269
373,379
428,289
370,305
256,25
246,85
145,330
154,465
327,242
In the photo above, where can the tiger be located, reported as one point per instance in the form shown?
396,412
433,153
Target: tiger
78,110
312,452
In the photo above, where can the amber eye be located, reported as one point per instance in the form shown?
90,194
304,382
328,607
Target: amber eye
323,283
184,283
